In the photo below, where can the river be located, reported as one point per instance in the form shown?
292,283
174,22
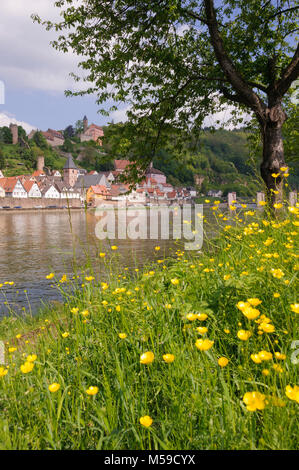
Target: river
35,243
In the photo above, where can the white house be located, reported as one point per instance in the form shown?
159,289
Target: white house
13,187
32,189
50,192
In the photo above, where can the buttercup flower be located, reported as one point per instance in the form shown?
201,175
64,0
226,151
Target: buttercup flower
147,357
244,335
3,371
146,421
168,358
295,308
292,392
27,367
92,390
50,276
254,302
114,248
202,329
254,401
54,387
31,358
122,335
222,361
251,313
204,344
175,282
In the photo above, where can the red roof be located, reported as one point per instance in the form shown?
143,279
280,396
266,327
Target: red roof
99,189
171,194
28,185
8,183
94,126
38,173
121,164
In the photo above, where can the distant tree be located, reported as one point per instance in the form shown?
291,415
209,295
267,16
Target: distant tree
22,133
5,135
39,140
79,127
2,160
67,146
69,132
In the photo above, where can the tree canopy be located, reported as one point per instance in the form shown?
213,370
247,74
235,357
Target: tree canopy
175,61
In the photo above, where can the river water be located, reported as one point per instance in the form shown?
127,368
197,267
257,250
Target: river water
35,243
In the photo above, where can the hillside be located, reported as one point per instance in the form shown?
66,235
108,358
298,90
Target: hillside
213,160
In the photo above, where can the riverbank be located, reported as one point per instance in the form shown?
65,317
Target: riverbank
190,353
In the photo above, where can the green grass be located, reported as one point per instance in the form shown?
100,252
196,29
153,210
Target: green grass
193,402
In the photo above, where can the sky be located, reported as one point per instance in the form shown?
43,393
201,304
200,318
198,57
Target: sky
34,76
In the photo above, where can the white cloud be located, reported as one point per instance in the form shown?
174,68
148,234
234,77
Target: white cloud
119,115
6,119
27,58
222,119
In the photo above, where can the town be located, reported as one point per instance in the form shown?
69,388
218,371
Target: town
74,187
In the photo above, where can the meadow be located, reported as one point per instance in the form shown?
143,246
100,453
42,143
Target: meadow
192,352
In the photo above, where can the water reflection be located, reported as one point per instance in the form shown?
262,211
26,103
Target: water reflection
33,244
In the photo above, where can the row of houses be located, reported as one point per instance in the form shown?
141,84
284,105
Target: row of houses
93,186
22,187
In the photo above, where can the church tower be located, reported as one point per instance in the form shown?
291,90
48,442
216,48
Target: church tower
85,124
70,172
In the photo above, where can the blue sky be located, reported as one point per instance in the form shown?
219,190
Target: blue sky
35,75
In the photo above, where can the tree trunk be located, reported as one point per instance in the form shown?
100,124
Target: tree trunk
273,153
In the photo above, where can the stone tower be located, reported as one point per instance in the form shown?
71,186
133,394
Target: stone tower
85,124
15,133
40,163
70,172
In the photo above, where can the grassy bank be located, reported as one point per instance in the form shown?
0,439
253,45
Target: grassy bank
199,347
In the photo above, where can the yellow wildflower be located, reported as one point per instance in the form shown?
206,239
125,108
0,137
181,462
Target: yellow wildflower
168,358
254,401
54,387
147,357
146,421
204,344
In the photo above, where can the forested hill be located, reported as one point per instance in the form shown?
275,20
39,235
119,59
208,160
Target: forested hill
219,159
213,160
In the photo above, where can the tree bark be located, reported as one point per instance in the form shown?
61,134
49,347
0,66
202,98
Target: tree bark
273,152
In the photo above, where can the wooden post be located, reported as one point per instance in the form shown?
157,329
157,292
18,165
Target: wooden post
2,353
260,197
293,198
231,197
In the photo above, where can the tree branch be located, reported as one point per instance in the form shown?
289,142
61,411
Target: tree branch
243,89
289,75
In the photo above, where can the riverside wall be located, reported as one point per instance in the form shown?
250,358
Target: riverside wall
38,203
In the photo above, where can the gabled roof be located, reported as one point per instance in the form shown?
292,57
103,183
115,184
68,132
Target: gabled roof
154,171
99,189
85,181
9,183
28,185
70,165
121,164
46,187
38,173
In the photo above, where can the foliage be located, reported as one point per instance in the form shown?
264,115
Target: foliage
5,135
2,160
174,62
40,140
